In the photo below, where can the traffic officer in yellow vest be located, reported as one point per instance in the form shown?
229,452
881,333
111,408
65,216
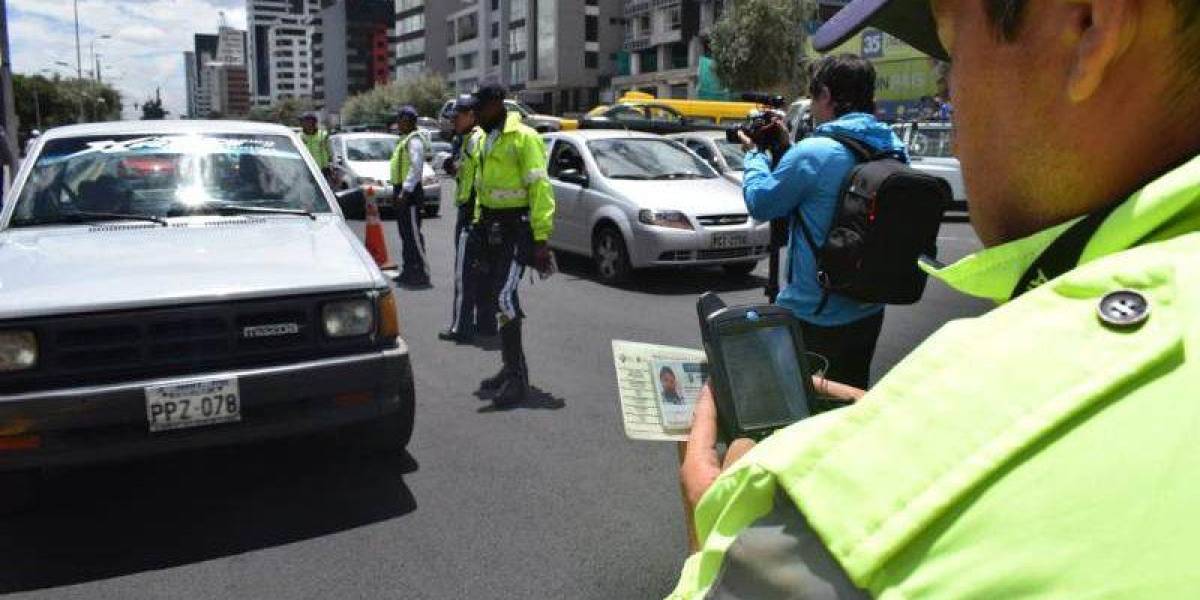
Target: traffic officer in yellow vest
469,314
515,217
316,140
1050,447
408,164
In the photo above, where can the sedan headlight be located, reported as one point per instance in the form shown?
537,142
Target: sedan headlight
18,350
667,218
348,318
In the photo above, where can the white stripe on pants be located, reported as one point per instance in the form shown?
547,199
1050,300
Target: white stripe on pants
507,306
460,259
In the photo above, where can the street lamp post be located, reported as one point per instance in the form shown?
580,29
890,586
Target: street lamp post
95,64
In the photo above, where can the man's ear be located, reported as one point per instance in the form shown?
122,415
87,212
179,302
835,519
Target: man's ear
1102,31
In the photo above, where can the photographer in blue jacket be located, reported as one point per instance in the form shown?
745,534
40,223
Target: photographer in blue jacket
806,185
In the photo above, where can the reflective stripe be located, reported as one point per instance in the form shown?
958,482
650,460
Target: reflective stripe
533,175
507,306
508,194
460,257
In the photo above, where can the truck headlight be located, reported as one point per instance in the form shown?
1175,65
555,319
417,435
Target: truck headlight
18,350
668,218
348,318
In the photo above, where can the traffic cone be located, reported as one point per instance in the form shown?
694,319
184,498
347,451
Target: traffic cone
375,243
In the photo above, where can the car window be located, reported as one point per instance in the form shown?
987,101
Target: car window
662,113
165,176
647,158
732,153
565,156
371,148
626,113
703,120
932,142
700,148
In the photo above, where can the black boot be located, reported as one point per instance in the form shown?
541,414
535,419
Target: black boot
515,388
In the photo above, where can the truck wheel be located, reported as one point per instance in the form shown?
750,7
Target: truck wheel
610,255
19,490
741,269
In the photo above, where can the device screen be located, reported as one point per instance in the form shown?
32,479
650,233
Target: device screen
765,377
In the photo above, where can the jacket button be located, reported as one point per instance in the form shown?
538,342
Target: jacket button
1123,308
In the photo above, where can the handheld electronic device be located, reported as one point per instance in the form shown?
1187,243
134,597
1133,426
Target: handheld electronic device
757,368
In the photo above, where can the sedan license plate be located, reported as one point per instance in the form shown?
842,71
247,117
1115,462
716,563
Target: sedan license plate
193,404
721,241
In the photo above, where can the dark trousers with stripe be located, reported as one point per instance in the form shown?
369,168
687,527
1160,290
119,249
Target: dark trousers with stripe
507,249
412,241
471,313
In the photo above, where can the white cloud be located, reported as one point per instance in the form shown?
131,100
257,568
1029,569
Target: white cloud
146,49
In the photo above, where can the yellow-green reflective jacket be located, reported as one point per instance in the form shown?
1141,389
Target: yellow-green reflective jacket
512,174
1034,451
401,162
468,165
318,146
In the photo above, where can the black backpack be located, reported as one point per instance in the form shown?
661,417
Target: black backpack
887,218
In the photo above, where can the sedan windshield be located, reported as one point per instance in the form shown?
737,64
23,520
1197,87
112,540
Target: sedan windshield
647,158
371,148
155,177
733,154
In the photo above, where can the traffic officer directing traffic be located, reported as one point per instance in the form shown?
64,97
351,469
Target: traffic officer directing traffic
1050,447
408,164
469,314
515,217
316,140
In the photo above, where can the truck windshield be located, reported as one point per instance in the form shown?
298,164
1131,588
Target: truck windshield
163,176
371,148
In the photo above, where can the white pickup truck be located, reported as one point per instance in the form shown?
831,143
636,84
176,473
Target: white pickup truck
175,284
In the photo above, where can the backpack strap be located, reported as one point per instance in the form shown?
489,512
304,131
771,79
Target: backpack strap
1064,252
863,152
812,244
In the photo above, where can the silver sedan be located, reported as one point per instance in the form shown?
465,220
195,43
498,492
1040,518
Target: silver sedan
638,200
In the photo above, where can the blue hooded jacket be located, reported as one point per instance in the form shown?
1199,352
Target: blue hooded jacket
807,184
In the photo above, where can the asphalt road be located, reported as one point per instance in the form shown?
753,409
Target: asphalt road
549,500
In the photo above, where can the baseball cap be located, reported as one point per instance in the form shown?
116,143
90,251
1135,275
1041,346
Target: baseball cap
407,112
492,91
309,117
463,103
910,20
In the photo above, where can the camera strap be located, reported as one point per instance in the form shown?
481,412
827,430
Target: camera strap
1063,253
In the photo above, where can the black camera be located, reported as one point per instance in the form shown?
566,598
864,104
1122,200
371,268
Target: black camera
770,109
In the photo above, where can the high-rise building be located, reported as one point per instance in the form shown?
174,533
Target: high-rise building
216,75
351,52
662,47
420,35
556,55
280,48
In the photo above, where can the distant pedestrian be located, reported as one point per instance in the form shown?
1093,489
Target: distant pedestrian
316,140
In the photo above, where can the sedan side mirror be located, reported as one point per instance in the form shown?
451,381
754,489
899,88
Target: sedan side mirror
351,201
573,176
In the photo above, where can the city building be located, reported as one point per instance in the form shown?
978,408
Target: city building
662,45
351,52
419,35
280,48
216,75
531,46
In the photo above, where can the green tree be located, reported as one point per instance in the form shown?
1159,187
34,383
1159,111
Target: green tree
43,102
426,92
286,111
759,46
152,110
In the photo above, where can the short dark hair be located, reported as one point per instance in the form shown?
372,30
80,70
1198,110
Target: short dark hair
850,80
1005,17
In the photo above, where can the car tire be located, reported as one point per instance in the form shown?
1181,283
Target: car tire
20,490
610,255
741,269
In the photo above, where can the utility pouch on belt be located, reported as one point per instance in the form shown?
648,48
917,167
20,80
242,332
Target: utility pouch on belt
495,233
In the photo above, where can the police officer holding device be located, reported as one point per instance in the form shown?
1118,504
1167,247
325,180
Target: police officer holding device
1047,448
470,313
514,219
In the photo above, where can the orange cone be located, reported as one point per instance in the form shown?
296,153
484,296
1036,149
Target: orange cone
375,244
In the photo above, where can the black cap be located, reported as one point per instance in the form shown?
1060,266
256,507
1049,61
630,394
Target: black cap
489,92
909,20
407,112
463,103
309,117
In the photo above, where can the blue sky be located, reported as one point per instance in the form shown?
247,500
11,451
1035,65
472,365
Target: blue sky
146,49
